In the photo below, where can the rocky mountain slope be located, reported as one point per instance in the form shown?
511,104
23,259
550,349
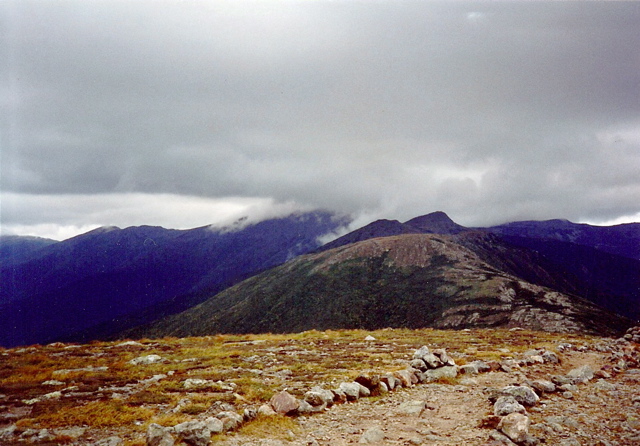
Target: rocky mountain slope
600,264
111,279
410,280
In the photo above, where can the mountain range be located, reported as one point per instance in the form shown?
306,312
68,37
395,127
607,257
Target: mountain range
110,279
275,276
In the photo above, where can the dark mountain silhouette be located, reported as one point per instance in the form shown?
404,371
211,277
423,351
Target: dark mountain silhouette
622,240
409,280
16,249
110,279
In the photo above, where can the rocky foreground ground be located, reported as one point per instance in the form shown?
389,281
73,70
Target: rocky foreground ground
389,387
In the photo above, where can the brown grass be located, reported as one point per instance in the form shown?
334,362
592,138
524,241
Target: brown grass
260,365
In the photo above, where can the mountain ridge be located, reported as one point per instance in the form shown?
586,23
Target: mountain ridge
409,280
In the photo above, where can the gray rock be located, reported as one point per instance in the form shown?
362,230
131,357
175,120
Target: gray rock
215,425
111,441
499,439
352,390
506,405
415,407
306,408
441,353
195,383
389,380
523,394
404,377
230,420
515,426
372,435
568,388
145,360
580,374
432,361
266,410
421,352
442,372
318,396
468,369
72,432
543,386
159,436
601,384
481,366
248,414
369,381
550,357
8,432
195,433
418,364
284,403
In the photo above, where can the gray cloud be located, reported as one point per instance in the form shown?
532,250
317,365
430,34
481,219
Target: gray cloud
489,111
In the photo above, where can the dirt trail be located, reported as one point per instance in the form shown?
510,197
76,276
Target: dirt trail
453,412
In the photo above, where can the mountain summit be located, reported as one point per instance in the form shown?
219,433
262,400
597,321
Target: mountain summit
436,223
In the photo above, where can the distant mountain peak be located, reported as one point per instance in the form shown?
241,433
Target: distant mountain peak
436,222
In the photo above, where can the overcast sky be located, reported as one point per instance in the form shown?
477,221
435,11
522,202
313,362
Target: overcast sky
186,113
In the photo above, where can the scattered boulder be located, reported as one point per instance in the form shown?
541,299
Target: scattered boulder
319,398
266,410
543,386
515,426
159,435
442,372
195,433
372,435
523,394
284,403
412,407
215,425
581,374
505,405
230,420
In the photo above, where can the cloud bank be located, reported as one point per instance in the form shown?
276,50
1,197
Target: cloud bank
211,110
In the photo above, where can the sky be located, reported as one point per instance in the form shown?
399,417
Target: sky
187,113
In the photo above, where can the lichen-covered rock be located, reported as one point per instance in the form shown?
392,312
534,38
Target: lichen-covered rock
523,394
505,405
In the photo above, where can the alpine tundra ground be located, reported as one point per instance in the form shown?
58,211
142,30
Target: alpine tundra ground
110,393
